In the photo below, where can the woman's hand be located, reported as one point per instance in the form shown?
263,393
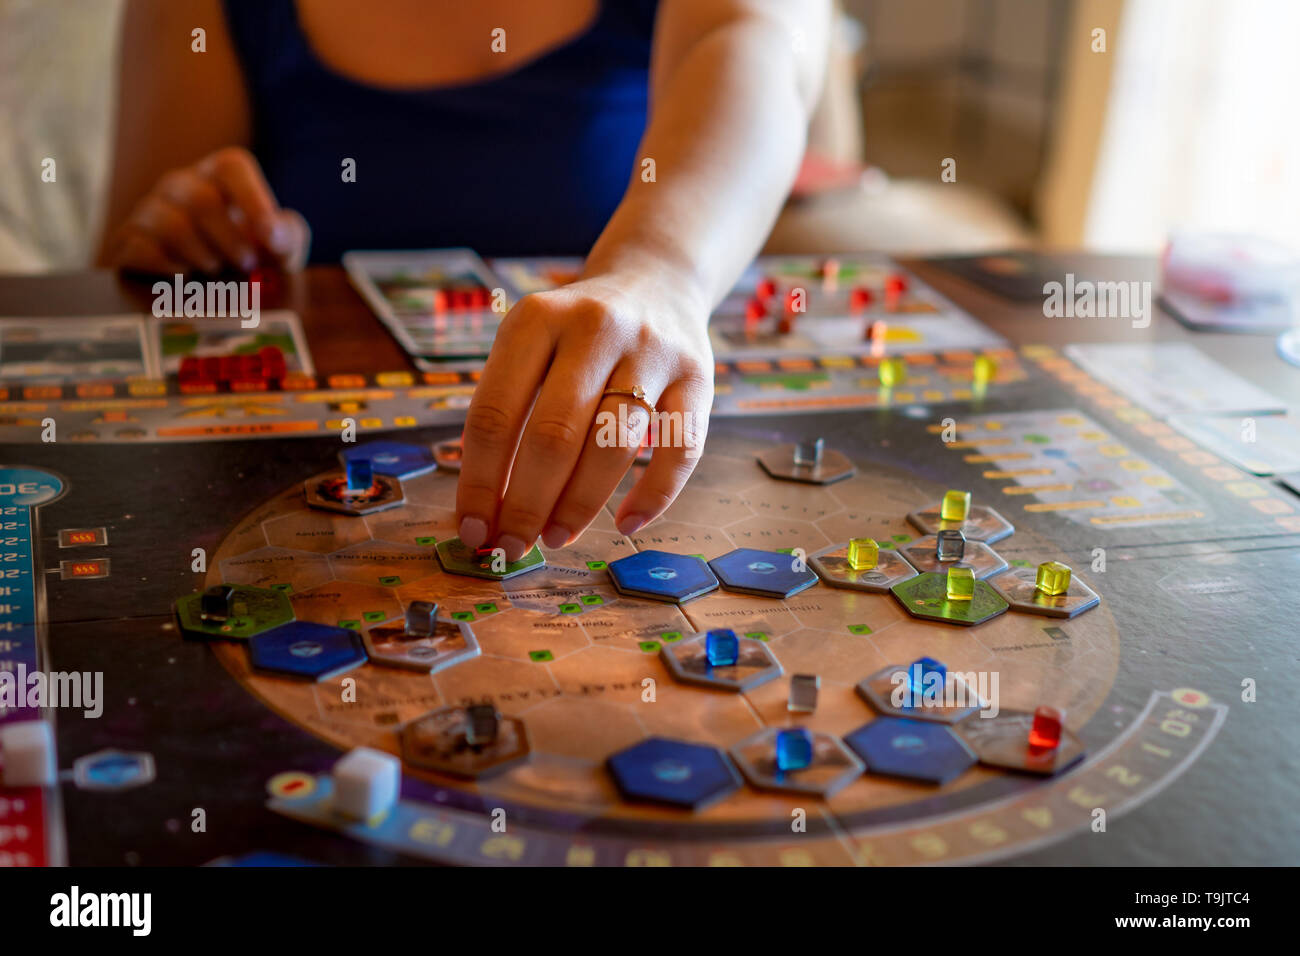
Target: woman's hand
544,448
215,215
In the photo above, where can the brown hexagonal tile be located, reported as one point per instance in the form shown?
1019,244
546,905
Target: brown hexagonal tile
316,531
268,567
436,742
379,562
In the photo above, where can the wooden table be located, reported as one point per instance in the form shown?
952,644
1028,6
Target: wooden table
345,337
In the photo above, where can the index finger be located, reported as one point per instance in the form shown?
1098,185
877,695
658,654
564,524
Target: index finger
239,177
505,393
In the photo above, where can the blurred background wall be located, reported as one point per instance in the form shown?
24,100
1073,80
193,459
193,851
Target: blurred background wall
1183,118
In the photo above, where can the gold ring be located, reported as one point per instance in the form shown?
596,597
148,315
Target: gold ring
635,392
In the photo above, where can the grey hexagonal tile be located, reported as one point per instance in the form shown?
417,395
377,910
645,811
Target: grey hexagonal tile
978,556
981,524
833,766
687,660
437,742
329,492
959,701
1003,741
779,463
391,645
832,566
1018,587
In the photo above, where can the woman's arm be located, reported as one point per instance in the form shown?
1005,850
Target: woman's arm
180,165
733,85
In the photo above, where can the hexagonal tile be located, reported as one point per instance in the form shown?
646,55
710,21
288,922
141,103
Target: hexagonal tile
926,596
833,765
329,492
253,611
911,749
978,556
448,454
1003,741
307,650
832,566
457,558
688,661
379,562
392,458
662,576
315,531
389,644
960,699
981,524
437,742
779,463
673,772
1018,587
113,770
764,573
277,568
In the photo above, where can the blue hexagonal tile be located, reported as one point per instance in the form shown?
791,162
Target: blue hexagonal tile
392,458
765,573
307,650
912,749
662,576
674,772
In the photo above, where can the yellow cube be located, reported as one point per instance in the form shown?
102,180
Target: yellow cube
961,584
893,371
1053,578
983,370
956,506
864,554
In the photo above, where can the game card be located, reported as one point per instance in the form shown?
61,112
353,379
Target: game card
437,303
1260,444
59,350
529,274
177,339
1170,378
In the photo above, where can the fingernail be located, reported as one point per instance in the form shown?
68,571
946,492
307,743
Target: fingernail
281,238
513,547
555,536
631,524
473,531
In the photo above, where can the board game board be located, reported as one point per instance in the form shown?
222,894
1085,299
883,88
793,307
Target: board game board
1149,685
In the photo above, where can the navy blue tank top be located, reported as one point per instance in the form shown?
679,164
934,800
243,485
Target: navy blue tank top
532,162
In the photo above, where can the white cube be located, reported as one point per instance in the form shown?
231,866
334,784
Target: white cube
28,749
366,783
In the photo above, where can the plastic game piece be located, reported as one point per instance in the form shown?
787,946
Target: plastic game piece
366,783
766,288
422,618
1045,733
217,603
895,284
983,369
864,554
794,749
1053,578
893,371
722,647
919,671
360,474
955,506
804,689
754,311
28,749
859,298
482,724
950,545
808,454
961,584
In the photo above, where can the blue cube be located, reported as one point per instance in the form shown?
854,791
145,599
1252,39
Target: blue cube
359,473
920,670
722,647
794,749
